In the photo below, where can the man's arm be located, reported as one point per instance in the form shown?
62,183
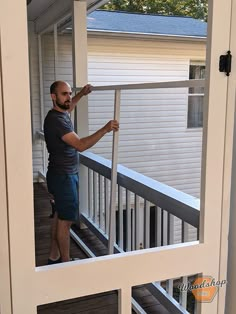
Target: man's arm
82,144
84,91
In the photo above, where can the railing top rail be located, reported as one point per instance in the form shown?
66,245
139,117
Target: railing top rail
168,84
181,205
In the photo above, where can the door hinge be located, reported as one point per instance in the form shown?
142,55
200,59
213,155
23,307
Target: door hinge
225,63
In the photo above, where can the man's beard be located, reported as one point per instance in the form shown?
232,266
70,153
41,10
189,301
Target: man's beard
64,106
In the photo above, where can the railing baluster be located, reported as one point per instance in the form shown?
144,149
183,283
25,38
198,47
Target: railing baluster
128,221
158,225
158,229
106,203
90,193
101,206
44,158
183,293
170,231
133,212
95,197
147,224
138,224
164,228
121,220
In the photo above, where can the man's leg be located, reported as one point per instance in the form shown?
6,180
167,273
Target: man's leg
63,238
54,251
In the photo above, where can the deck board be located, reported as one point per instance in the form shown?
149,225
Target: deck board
103,303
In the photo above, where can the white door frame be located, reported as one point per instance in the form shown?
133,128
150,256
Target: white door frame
18,153
228,255
217,153
31,286
5,285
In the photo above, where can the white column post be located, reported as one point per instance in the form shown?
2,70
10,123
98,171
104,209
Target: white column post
5,286
18,153
80,78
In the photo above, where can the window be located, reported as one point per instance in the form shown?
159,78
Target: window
195,97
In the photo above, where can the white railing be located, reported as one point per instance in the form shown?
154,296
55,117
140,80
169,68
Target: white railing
141,202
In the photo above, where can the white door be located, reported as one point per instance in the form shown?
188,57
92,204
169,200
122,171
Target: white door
218,144
43,285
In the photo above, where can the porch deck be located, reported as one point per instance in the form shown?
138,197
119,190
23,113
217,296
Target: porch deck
103,303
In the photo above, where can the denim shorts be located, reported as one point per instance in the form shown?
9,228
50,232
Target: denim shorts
64,188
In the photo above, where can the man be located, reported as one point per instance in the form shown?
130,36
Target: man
62,176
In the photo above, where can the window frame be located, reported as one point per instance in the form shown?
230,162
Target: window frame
200,63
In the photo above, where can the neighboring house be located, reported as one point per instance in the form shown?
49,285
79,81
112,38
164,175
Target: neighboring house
162,127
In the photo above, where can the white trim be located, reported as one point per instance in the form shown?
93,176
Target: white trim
101,269
5,282
169,84
101,32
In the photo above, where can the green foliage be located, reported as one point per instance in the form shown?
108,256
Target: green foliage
194,8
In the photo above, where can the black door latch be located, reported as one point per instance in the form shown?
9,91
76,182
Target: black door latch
225,63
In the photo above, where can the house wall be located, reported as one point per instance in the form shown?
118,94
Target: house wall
154,139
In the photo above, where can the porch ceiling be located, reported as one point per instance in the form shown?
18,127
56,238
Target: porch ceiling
46,12
36,8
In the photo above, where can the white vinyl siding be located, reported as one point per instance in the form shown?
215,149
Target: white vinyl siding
154,138
64,66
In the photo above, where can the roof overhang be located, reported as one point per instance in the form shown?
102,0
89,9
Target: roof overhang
45,13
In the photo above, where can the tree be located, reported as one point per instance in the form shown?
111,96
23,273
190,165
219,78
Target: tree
195,8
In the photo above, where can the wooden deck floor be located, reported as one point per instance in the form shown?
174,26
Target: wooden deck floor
104,303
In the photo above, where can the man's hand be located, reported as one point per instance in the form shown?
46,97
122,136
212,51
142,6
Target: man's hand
82,144
83,92
86,90
112,125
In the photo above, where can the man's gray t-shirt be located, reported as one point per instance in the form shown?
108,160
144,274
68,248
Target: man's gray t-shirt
62,157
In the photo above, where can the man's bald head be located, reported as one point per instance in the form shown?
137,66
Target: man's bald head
61,95
56,84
